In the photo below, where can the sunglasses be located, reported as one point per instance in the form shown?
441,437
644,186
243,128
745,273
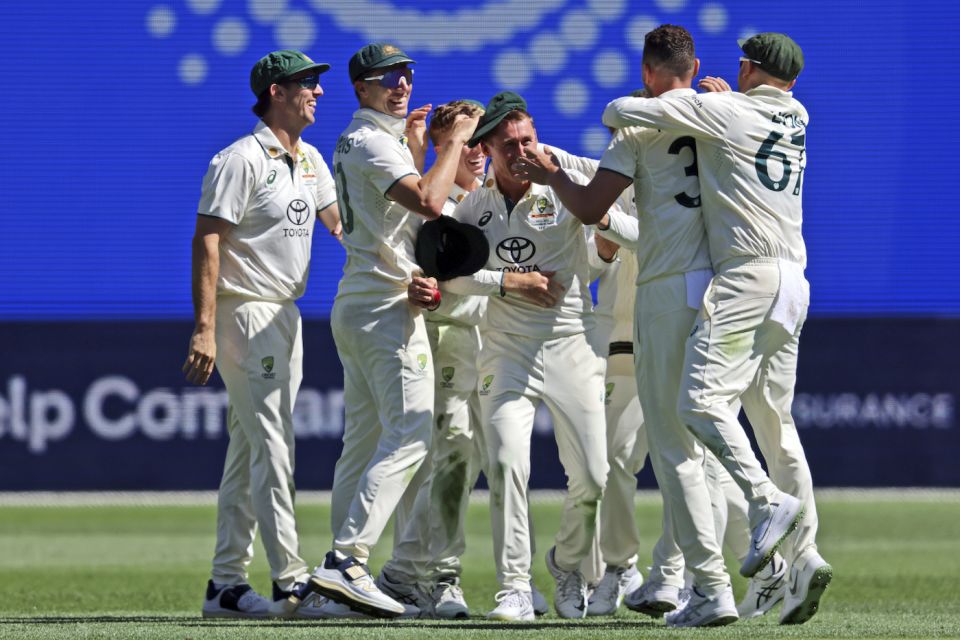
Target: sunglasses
309,82
745,59
393,79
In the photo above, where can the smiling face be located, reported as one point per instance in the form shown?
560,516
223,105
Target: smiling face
374,95
298,103
507,143
472,163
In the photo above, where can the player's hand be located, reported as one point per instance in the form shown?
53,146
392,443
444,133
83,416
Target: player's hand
337,232
538,287
535,165
463,127
424,293
416,132
200,356
713,84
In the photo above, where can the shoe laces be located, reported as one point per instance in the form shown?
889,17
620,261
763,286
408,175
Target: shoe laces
510,598
446,591
571,586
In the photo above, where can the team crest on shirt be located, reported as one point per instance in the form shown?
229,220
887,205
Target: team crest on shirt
267,364
446,377
542,214
609,392
485,385
422,361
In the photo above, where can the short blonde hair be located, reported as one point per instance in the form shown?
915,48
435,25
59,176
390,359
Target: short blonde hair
444,116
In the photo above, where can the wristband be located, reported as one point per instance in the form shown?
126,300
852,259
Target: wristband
503,292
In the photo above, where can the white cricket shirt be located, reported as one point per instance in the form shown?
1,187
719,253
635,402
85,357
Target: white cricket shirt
273,200
378,233
539,234
751,152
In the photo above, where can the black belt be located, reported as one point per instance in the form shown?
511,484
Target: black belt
620,348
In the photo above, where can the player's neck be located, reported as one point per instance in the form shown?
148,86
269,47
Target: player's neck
669,84
511,188
288,135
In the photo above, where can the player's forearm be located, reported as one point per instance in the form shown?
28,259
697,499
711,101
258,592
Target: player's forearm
435,185
330,216
206,270
576,197
485,282
620,228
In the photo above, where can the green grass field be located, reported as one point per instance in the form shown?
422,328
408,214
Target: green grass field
140,572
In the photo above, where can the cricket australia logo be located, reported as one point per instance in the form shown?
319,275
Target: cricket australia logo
516,249
267,364
610,387
298,212
485,385
422,361
446,377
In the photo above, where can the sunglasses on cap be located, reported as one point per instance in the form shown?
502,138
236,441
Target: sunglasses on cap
392,79
309,82
746,59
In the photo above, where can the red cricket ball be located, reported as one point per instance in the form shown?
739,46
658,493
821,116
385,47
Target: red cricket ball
436,297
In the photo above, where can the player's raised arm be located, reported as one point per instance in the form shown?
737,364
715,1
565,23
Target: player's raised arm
426,195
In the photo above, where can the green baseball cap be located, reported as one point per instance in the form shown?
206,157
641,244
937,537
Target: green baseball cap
277,65
376,56
776,53
494,113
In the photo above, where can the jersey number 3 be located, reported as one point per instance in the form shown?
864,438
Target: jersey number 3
690,202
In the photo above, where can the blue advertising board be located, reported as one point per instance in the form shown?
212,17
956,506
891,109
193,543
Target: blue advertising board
104,406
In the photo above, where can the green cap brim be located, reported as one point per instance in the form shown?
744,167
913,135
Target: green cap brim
319,67
397,58
486,128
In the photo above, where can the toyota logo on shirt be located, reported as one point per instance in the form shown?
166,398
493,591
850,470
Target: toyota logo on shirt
516,250
298,212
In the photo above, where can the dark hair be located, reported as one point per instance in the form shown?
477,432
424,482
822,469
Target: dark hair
263,104
444,115
670,47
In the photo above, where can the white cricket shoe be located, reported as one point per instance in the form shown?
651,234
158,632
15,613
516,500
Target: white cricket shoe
653,599
416,603
570,598
349,582
767,536
512,605
540,605
448,601
810,575
765,590
701,611
234,601
609,594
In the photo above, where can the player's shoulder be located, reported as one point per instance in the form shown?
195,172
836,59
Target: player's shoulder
246,146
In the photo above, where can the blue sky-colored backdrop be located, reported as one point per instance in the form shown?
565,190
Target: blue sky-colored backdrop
112,110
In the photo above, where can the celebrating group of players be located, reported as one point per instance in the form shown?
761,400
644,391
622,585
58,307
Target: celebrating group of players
465,302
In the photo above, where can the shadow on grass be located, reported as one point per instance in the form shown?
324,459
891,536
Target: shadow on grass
477,623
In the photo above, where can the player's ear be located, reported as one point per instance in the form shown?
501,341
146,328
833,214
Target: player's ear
791,83
646,74
696,67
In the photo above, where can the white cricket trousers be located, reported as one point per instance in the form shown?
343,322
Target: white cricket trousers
516,373
260,358
388,401
430,540
626,455
664,319
737,352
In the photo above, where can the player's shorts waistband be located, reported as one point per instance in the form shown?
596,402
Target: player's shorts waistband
621,348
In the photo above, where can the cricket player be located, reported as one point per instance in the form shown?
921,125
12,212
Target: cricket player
745,341
529,352
251,256
673,268
381,339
